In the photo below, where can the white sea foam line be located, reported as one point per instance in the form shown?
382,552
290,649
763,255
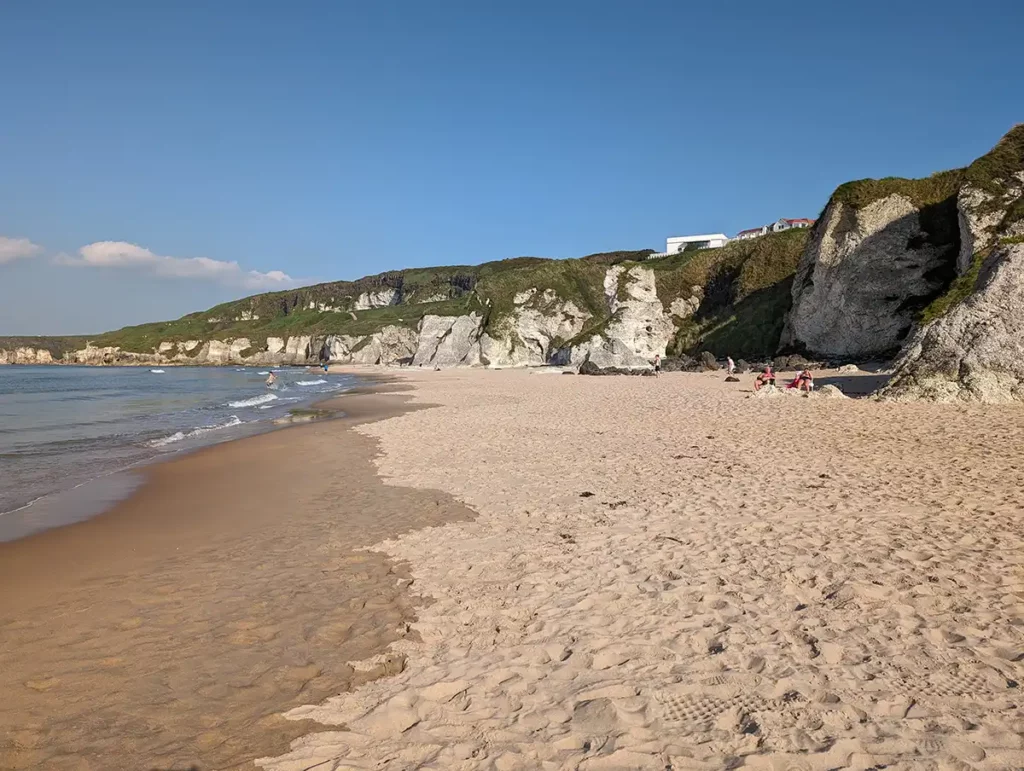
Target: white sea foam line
178,436
255,400
157,371
310,382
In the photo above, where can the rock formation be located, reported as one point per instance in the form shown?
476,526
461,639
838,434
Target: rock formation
638,330
971,344
448,341
866,273
975,352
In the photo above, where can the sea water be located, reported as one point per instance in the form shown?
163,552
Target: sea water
63,430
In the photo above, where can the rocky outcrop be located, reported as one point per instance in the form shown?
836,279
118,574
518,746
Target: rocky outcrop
866,273
971,346
982,217
26,355
392,345
685,307
638,329
448,341
975,352
531,333
377,299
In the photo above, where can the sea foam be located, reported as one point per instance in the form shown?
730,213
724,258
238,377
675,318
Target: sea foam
178,436
253,401
310,382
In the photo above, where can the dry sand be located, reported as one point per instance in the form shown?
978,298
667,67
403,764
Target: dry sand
172,631
667,574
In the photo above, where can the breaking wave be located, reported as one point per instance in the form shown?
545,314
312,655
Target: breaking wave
255,400
178,436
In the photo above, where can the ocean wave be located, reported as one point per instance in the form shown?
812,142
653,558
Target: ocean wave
263,373
310,382
157,371
178,436
254,401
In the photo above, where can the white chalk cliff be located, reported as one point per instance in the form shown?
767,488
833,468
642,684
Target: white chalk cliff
863,277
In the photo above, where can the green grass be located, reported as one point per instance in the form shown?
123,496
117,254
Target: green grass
999,164
577,281
961,288
614,258
1010,240
746,293
756,263
921,192
57,346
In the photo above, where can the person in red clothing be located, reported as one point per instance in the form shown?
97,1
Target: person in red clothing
803,381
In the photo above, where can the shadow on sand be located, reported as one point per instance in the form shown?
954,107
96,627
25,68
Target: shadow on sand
855,385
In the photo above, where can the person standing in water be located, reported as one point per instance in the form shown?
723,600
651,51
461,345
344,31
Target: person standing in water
271,379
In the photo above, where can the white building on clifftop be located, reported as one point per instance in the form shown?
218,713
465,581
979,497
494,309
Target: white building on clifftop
678,244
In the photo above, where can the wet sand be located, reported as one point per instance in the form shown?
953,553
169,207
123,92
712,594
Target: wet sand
172,631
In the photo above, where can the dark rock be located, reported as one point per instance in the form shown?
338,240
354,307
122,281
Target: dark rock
680,364
589,368
708,361
732,379
794,362
742,366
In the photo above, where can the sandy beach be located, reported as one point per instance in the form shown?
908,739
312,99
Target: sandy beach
172,631
669,574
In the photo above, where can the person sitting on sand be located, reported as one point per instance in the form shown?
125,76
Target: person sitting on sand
803,381
767,377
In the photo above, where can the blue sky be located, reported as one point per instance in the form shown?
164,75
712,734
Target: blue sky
287,142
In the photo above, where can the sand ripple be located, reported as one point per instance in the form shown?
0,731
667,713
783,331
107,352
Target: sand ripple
665,574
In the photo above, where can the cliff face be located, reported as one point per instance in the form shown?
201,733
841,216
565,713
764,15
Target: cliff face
970,346
975,352
524,312
869,269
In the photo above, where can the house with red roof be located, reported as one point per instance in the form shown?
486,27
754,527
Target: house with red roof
776,227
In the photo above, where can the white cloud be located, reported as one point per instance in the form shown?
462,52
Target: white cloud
121,254
12,249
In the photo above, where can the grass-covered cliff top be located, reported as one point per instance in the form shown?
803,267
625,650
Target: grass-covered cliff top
1001,163
55,345
921,192
989,173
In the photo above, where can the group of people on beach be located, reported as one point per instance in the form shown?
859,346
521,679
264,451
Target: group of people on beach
804,380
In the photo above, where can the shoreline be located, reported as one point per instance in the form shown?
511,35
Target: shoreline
98,494
174,628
